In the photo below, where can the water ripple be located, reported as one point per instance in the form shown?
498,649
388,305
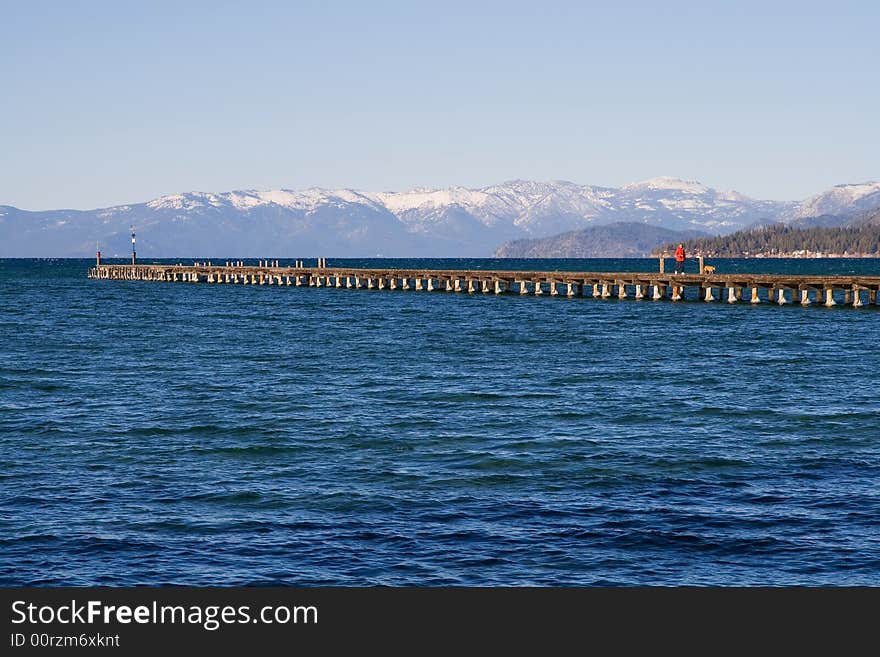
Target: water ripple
228,435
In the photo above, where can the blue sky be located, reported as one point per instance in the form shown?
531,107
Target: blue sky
114,102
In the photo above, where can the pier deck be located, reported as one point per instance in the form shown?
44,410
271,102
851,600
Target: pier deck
776,288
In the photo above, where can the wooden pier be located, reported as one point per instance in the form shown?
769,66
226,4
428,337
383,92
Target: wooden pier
855,291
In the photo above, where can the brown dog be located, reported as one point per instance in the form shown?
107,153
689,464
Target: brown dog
709,269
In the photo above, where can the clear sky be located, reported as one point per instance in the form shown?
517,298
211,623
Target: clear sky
114,102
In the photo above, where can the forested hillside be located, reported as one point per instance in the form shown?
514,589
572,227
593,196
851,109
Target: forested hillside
858,239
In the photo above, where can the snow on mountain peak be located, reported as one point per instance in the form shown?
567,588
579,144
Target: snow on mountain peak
669,183
187,201
430,198
840,199
854,191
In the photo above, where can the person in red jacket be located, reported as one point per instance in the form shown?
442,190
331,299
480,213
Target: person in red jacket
679,259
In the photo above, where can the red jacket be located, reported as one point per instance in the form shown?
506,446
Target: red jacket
679,254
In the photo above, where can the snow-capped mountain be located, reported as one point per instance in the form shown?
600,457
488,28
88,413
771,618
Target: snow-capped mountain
456,221
841,200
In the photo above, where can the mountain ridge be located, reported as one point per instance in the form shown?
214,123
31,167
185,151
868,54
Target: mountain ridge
853,235
451,221
618,240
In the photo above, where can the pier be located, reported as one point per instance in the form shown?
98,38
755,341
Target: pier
781,289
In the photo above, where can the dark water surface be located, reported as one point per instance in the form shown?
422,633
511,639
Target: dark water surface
157,433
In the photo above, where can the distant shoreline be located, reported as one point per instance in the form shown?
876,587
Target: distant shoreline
789,256
655,256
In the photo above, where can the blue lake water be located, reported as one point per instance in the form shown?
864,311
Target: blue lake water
161,433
